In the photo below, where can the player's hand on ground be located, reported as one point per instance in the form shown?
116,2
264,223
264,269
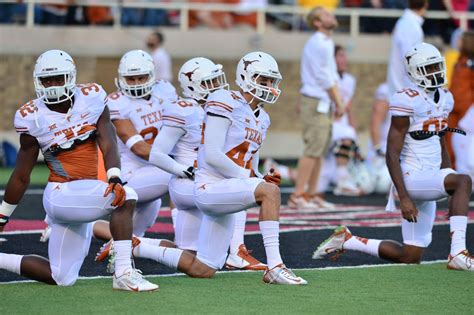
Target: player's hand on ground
273,177
116,187
409,211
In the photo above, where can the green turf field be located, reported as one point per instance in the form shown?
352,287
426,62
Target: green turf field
424,289
39,176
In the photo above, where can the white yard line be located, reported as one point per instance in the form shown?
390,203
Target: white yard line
431,262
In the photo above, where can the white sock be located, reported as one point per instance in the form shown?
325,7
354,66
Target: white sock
270,234
164,255
151,241
123,256
341,172
458,227
11,262
174,214
239,229
368,246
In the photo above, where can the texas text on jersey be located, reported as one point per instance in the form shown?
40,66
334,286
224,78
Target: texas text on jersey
245,135
145,115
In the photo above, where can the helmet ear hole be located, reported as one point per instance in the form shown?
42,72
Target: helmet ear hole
191,88
242,77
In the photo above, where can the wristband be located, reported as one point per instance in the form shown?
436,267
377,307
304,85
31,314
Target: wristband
6,211
133,140
113,172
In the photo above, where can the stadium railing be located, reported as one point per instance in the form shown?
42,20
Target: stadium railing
296,12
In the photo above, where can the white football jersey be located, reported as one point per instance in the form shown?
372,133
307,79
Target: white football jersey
66,140
188,115
145,116
341,128
425,115
244,137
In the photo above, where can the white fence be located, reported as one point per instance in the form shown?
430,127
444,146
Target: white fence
296,12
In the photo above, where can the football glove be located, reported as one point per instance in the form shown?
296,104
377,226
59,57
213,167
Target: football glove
273,177
116,187
189,173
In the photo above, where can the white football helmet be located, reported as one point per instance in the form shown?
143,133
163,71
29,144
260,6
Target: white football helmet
53,63
200,76
418,61
136,62
254,65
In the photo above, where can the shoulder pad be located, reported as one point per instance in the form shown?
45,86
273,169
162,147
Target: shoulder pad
90,90
223,102
118,104
165,90
25,117
402,102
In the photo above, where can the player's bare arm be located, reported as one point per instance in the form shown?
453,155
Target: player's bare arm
125,131
20,178
396,137
108,145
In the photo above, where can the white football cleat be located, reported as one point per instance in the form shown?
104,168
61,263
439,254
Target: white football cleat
132,280
282,275
244,260
462,261
301,202
334,244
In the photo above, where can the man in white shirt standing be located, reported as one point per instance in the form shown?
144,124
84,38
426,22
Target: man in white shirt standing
320,100
406,34
160,56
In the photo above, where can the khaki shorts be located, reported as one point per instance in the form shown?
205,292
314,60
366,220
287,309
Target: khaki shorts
316,128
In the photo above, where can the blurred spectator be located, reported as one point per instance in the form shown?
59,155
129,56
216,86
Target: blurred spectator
52,14
75,15
131,17
144,17
462,87
406,34
352,3
12,12
320,100
98,15
249,15
380,25
344,140
161,58
212,19
155,17
455,6
329,4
